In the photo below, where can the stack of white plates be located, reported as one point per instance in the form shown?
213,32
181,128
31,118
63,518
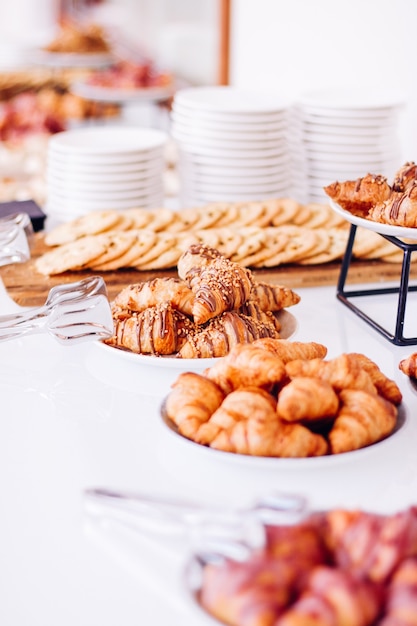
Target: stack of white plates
104,168
232,144
343,135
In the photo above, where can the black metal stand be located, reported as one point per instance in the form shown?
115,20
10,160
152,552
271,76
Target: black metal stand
398,337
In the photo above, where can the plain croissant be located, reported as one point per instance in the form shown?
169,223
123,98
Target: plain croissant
291,350
258,431
409,365
247,365
363,419
307,400
191,402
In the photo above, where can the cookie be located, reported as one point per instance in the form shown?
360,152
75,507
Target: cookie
337,240
73,255
92,223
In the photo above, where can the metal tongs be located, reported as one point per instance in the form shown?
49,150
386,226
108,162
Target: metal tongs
15,232
235,532
72,313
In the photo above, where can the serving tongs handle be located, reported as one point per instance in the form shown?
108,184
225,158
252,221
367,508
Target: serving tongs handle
235,532
72,312
15,232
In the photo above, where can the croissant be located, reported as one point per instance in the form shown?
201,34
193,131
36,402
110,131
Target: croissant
246,365
400,209
405,177
291,350
158,330
192,401
409,365
370,545
359,196
219,336
386,387
196,256
139,296
401,605
218,284
363,419
251,403
333,597
273,297
252,309
307,399
260,433
341,372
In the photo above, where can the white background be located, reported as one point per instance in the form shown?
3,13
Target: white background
294,46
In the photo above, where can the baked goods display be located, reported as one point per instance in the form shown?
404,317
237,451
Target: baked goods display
275,397
259,234
337,567
213,305
373,198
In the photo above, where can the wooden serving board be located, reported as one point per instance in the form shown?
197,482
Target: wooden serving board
29,288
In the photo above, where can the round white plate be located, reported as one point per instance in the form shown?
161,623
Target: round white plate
383,229
158,362
225,178
108,141
72,59
230,100
74,167
208,187
191,198
230,125
286,463
352,99
228,134
223,143
73,194
104,179
132,159
244,160
232,153
111,94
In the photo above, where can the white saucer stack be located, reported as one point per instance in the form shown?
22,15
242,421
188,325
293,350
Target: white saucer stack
338,135
232,144
104,168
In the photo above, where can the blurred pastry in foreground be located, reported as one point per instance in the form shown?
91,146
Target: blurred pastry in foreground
409,365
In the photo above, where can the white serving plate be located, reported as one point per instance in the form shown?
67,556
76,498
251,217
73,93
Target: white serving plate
383,229
230,100
72,193
108,140
231,153
105,179
112,94
74,167
232,125
224,143
204,187
226,134
243,161
329,461
127,159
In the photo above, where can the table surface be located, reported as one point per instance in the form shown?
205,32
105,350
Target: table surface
76,417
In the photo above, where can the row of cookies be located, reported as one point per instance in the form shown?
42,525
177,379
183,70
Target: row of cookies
262,214
249,246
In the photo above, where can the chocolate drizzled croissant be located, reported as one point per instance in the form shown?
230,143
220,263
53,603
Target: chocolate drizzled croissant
222,333
140,296
218,284
159,330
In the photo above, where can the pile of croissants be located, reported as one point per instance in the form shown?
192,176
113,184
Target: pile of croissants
282,398
337,568
372,197
213,305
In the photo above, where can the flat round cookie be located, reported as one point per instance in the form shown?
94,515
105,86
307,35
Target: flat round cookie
230,214
229,241
365,242
276,241
92,223
300,242
120,242
167,259
73,255
163,242
249,213
320,215
161,218
140,217
285,210
208,216
253,240
337,240
210,237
